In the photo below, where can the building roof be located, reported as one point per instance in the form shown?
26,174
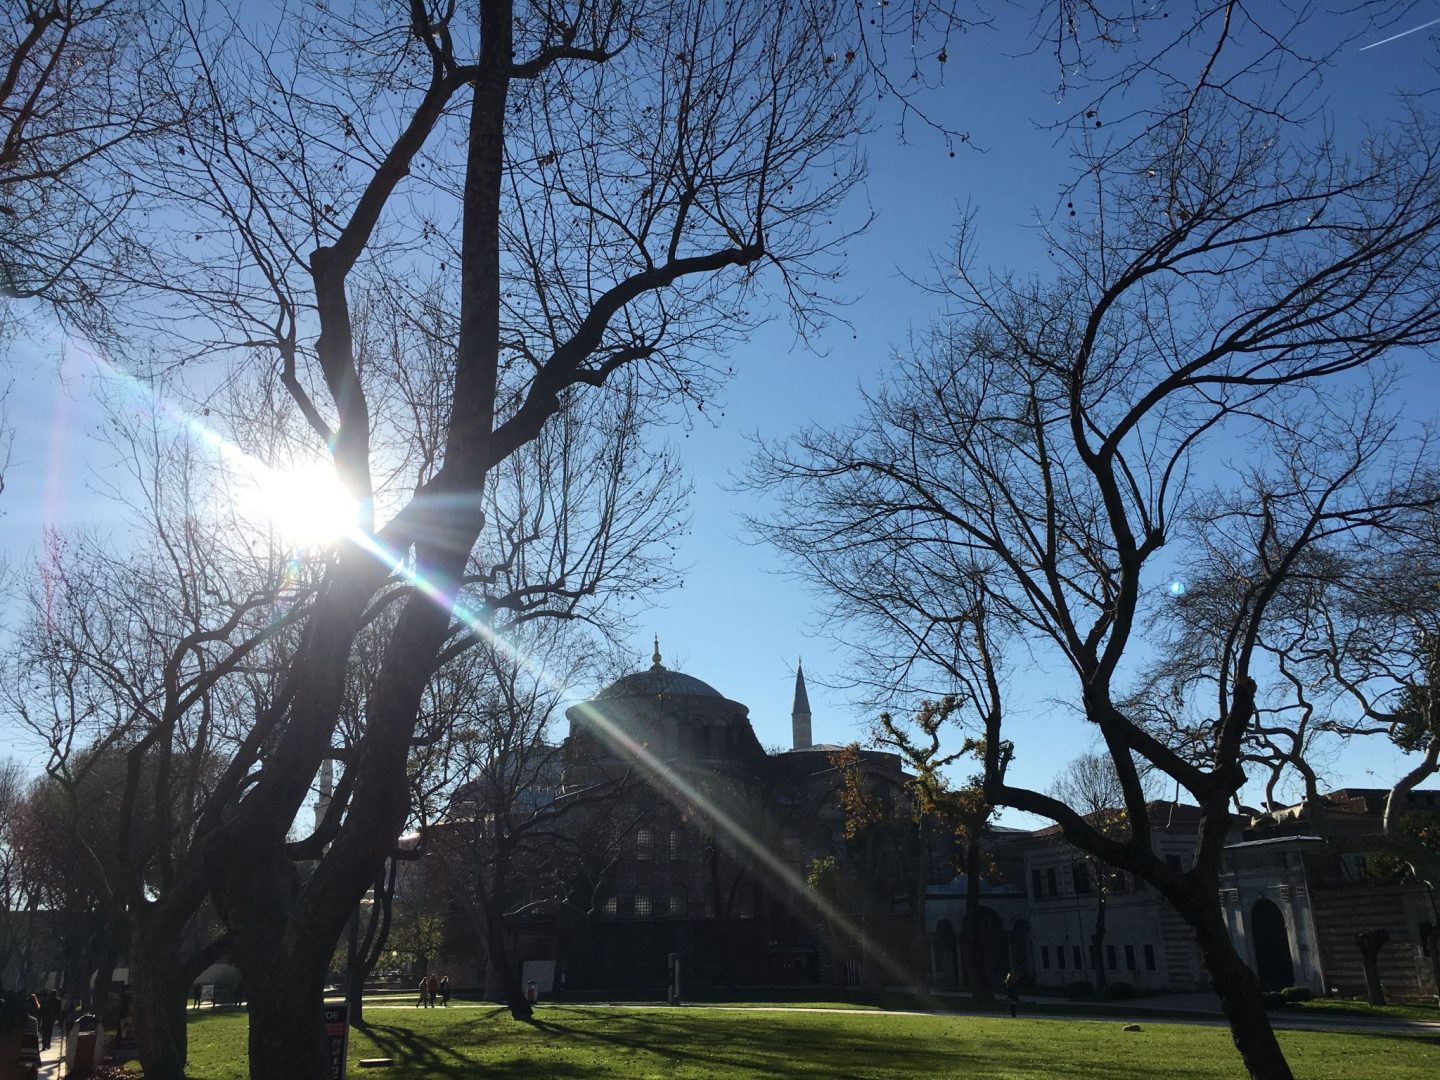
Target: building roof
657,680
1270,841
1164,814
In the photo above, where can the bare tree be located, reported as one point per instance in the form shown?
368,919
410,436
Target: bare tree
1091,786
1225,280
511,837
1352,636
563,197
134,670
78,90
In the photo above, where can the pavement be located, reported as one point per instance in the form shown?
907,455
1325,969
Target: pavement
52,1061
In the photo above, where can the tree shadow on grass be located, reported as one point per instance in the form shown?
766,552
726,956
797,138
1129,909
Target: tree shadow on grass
412,1049
755,1047
568,1043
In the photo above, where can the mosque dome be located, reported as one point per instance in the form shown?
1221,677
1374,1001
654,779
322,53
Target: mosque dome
657,680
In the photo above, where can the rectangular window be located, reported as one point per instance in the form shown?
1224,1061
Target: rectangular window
1110,957
1035,891
1075,956
1129,957
1081,875
612,906
1052,881
790,849
645,844
1060,957
1044,953
1149,957
677,844
642,903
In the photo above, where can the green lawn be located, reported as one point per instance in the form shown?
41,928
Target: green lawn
686,1043
1325,1007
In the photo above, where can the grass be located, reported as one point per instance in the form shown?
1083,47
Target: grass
1326,1007
691,1043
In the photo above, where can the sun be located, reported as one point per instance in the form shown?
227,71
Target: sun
305,504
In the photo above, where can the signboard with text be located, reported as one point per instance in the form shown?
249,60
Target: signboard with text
337,1036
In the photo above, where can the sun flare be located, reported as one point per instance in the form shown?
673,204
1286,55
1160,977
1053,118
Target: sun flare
305,504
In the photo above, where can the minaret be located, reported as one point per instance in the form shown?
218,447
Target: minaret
800,713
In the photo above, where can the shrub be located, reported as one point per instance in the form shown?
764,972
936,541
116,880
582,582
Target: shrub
1273,999
1118,991
1297,993
1080,989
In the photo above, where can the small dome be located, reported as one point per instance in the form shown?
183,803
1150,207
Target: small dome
656,681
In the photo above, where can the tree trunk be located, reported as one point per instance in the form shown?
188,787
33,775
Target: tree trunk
1097,937
355,974
1370,942
500,963
976,974
1237,986
492,900
287,1028
160,992
96,997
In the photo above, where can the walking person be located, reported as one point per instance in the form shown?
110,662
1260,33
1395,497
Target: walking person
49,1013
424,991
1012,992
432,986
445,990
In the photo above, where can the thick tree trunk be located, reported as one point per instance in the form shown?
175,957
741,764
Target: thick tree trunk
287,1024
1237,986
160,992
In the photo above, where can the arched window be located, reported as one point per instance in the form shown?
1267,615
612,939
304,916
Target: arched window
677,843
679,902
644,844
642,903
612,906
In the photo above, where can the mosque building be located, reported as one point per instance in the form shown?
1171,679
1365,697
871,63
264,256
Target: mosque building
704,845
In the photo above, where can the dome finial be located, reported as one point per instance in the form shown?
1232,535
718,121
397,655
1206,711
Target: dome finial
657,666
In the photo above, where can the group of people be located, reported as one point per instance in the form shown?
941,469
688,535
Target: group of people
431,988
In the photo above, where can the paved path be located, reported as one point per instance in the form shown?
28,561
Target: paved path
51,1061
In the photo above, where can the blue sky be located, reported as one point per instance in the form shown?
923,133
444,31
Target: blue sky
740,621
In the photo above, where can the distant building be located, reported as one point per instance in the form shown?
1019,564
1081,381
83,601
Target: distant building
1303,880
705,849
1296,886
1038,918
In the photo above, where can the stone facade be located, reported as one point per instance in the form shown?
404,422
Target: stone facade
1293,901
